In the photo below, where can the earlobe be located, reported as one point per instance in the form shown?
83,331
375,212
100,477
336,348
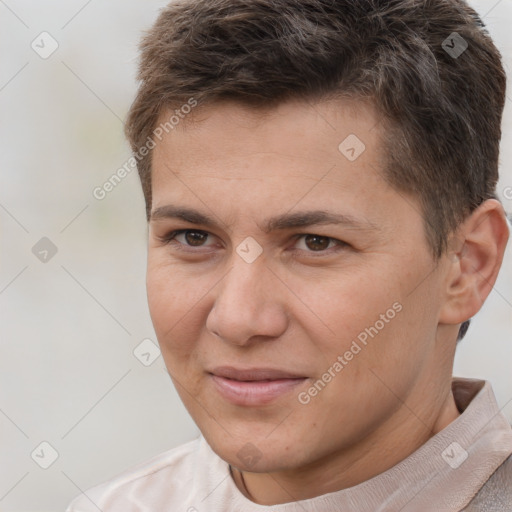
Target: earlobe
479,245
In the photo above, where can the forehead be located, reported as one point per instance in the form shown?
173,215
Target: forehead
326,153
246,168
295,138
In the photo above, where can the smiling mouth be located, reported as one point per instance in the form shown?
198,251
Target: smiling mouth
254,387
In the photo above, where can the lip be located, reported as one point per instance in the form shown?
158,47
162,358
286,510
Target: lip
254,386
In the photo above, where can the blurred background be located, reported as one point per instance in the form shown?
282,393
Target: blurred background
84,393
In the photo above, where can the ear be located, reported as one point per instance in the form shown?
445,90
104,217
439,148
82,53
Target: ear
474,262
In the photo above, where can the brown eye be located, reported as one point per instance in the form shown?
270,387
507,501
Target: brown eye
195,238
317,242
187,238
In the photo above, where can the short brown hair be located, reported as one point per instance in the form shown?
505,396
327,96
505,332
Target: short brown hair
441,103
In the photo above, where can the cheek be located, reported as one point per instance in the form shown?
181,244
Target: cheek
373,325
170,293
162,299
177,304
352,304
384,332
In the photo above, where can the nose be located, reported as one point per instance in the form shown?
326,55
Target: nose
247,306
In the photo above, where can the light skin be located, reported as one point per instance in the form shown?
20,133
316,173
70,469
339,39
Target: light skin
301,303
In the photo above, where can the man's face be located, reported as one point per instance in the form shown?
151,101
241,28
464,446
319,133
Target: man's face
290,340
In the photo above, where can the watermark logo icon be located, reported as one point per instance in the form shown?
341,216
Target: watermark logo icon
352,147
44,455
249,455
44,250
147,352
45,45
455,45
249,250
454,455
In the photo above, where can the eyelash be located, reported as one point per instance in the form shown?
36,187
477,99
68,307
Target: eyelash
169,239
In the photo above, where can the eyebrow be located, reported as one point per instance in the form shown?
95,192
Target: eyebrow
280,222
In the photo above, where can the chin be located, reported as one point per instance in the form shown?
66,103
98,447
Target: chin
253,453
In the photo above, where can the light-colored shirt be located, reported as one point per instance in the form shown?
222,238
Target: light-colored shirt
443,475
